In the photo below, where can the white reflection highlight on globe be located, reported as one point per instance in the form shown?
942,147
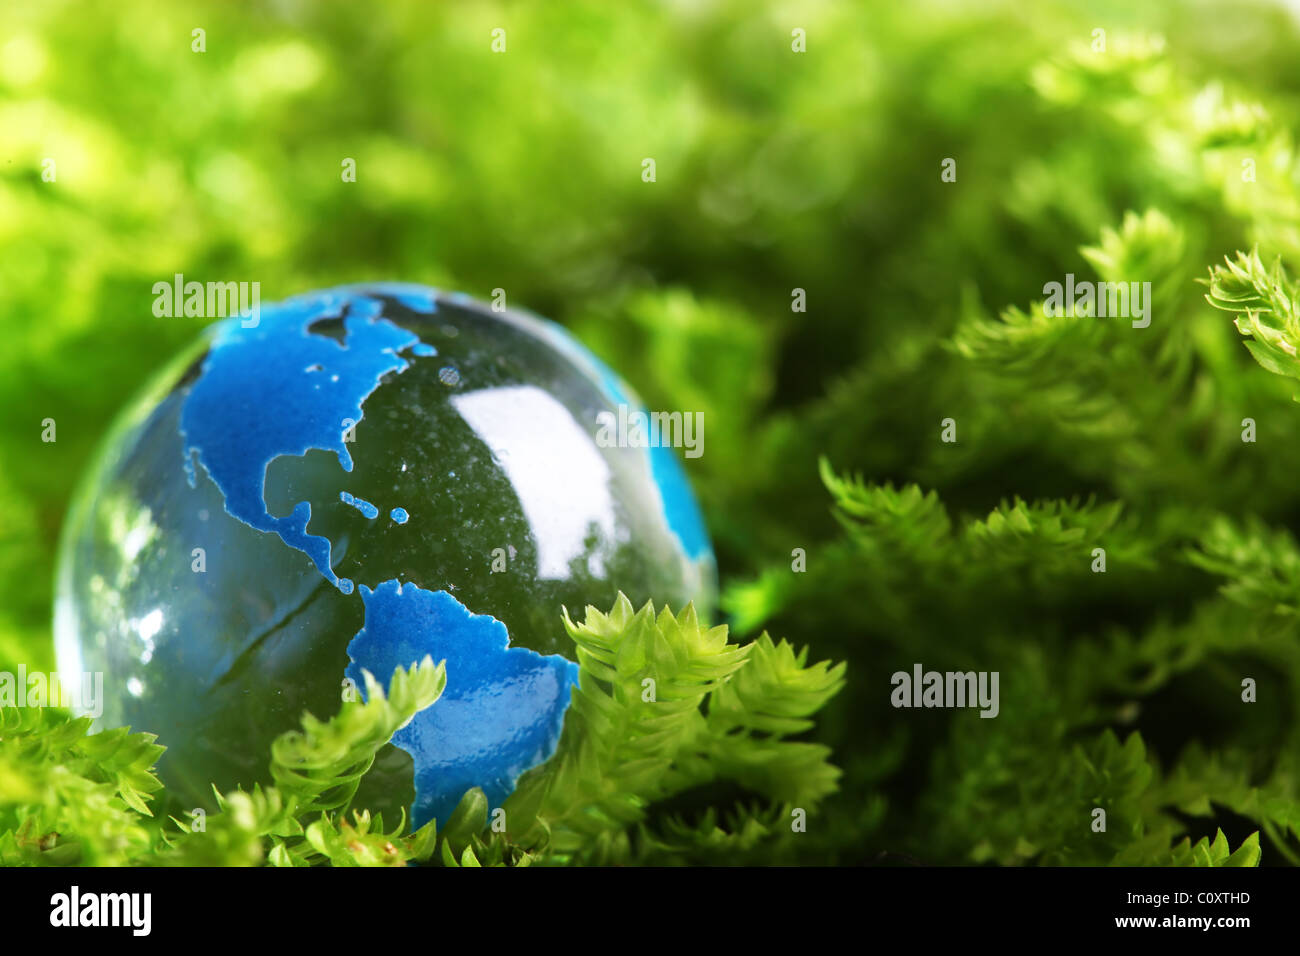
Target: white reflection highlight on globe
557,472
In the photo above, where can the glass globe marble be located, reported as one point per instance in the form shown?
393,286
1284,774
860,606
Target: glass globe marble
350,480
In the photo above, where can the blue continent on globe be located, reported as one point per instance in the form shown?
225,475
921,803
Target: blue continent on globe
348,481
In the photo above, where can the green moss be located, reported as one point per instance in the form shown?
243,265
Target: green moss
1152,161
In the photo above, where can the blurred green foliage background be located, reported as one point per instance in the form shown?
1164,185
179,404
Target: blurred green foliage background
776,170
